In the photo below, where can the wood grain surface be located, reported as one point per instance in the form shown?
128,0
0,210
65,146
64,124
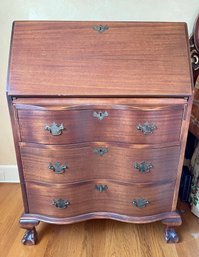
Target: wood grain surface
83,163
184,132
94,238
74,102
17,138
72,59
120,125
84,198
57,70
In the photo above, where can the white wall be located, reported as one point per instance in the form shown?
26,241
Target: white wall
137,10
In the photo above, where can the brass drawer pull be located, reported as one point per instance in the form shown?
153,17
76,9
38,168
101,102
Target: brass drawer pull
146,128
100,150
100,115
60,203
140,203
54,129
101,187
57,167
143,167
100,28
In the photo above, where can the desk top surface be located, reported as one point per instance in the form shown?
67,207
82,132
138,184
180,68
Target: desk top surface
106,59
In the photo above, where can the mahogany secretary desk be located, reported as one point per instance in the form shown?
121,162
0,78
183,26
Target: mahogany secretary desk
100,114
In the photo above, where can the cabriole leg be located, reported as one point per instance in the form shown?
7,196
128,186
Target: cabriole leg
30,236
170,234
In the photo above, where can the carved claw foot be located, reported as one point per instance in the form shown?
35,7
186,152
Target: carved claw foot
171,235
30,237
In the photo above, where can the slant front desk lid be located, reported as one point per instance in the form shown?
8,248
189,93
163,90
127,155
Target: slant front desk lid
99,59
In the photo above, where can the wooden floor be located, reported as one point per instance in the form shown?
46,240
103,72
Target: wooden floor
94,238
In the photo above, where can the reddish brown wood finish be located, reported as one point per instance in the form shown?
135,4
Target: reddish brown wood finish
71,59
84,198
172,217
30,237
119,126
16,136
84,164
184,132
64,71
74,103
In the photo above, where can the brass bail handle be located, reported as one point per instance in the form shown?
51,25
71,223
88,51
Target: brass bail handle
147,128
57,167
55,129
140,203
143,167
60,203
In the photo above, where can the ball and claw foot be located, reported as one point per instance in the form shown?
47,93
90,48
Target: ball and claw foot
30,237
171,235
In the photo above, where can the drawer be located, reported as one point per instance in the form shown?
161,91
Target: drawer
68,200
79,162
160,124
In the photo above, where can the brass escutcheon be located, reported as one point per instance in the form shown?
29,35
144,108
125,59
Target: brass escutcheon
101,187
100,150
100,28
100,115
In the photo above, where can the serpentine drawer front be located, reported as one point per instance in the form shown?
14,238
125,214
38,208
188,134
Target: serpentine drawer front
80,162
99,120
85,197
150,125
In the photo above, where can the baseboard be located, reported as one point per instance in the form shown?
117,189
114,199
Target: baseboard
9,174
